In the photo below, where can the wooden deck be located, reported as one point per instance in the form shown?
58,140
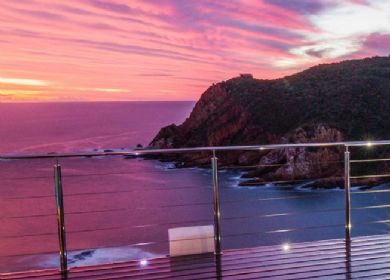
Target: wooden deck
364,258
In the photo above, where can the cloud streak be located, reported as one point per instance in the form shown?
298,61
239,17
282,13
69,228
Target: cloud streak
149,50
22,82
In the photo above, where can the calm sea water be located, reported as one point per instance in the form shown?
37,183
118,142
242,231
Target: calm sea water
120,209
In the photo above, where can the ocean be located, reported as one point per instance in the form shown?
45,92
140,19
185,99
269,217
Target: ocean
120,209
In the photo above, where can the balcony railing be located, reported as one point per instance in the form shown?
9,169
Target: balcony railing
59,196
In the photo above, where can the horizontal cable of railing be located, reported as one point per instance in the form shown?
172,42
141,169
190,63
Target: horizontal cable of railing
270,215
370,192
137,152
285,191
369,160
255,216
370,176
164,171
266,215
252,199
165,241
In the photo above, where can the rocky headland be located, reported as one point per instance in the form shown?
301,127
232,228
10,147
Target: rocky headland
347,101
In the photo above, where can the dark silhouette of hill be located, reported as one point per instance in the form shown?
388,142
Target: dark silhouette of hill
349,100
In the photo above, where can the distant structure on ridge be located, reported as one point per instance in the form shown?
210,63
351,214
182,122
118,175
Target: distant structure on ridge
246,75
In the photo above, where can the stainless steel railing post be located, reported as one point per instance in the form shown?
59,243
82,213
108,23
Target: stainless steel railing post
217,211
347,187
60,218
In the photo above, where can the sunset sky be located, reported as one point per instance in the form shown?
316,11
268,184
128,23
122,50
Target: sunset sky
67,50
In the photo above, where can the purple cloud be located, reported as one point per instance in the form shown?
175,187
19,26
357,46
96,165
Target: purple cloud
299,6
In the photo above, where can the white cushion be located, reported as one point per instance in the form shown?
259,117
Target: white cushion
191,240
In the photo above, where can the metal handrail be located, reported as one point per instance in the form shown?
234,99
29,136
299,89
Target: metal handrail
138,152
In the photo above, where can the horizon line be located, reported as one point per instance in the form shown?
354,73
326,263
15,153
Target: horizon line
91,101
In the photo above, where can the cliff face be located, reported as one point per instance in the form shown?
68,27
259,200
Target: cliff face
215,118
342,101
301,163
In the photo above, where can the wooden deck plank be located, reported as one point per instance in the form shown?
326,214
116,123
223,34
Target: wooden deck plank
285,265
194,264
338,256
369,258
181,274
